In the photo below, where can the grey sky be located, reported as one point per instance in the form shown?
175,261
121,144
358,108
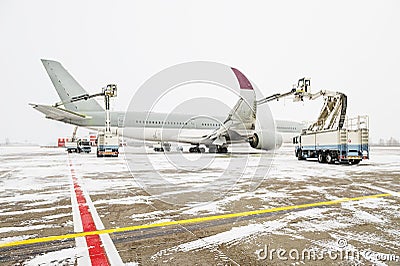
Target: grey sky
350,46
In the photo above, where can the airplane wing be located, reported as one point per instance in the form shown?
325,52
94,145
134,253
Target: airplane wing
59,114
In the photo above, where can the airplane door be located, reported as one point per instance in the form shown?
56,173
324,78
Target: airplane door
157,134
121,121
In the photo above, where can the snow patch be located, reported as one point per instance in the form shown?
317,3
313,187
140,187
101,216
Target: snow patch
15,238
24,228
60,257
228,237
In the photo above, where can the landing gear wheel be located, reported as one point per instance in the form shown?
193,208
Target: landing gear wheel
329,158
299,155
197,149
222,149
166,146
321,158
212,149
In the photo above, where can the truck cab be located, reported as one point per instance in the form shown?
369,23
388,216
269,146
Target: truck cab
84,146
107,144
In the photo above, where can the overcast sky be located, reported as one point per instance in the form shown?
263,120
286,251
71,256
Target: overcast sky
349,46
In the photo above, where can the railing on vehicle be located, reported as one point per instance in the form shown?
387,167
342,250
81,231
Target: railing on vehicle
357,123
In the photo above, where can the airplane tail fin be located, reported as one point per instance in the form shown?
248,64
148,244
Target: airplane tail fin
244,112
241,121
67,87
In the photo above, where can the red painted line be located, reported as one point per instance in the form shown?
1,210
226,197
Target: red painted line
96,250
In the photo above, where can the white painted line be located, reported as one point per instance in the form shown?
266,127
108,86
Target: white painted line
111,251
75,211
83,257
109,247
394,193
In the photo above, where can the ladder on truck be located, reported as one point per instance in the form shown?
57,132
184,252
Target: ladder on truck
344,148
360,125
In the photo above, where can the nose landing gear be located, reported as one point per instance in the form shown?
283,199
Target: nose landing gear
197,149
217,149
211,149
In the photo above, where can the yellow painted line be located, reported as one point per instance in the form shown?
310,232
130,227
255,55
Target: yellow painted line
187,221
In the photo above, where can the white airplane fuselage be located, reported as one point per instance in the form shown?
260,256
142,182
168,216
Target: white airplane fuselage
174,127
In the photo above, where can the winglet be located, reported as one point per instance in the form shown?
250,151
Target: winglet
244,83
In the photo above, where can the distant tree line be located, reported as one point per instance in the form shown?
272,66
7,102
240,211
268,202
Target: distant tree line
390,142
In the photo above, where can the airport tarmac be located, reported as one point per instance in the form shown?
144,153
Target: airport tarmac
341,214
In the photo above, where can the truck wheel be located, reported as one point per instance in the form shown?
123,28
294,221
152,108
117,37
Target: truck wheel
300,155
321,157
329,158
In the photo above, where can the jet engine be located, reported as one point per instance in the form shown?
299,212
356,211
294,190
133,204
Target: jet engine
265,140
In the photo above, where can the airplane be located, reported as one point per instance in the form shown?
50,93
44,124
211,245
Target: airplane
216,133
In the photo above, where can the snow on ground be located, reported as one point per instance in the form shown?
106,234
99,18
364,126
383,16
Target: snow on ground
15,238
60,257
67,208
36,182
233,235
369,211
149,215
23,228
237,234
126,201
214,206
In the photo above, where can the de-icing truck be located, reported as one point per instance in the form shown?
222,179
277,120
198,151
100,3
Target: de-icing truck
348,144
333,138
